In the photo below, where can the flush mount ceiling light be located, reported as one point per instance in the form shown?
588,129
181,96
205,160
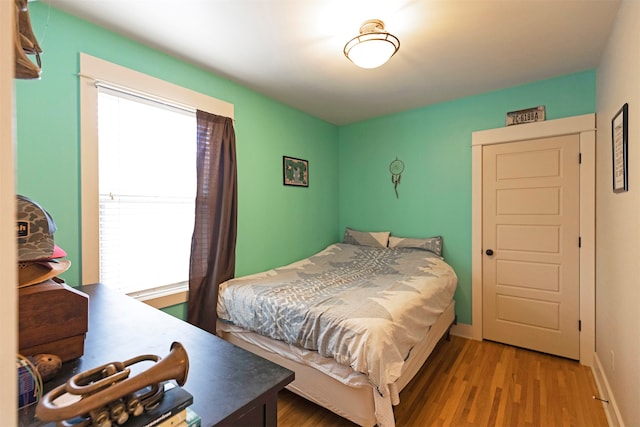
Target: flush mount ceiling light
373,47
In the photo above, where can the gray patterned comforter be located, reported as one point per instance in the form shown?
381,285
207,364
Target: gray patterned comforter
365,307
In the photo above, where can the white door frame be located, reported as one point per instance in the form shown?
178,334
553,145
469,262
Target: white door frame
585,126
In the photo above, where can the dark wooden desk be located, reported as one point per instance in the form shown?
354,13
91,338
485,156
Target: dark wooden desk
230,386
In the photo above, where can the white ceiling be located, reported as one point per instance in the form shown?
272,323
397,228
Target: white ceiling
291,50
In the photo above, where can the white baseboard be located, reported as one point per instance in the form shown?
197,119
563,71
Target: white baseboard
610,409
462,330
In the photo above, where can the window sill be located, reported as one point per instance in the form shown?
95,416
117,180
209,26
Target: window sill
164,296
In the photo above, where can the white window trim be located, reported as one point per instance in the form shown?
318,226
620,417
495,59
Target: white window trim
93,70
163,296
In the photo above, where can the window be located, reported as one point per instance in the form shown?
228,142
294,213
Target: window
105,84
147,186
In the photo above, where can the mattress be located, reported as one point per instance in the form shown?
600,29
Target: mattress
363,307
334,386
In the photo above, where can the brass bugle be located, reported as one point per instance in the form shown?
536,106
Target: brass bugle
174,366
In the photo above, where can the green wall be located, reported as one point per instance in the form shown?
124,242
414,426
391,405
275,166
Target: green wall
277,224
350,183
178,310
435,144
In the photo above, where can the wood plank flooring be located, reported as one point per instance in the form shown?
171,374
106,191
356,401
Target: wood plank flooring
479,383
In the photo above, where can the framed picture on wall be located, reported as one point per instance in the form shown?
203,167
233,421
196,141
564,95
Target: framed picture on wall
295,171
619,147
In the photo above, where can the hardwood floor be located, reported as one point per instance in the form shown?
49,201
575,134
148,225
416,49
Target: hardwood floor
479,383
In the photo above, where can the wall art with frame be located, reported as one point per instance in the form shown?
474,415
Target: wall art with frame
295,171
620,149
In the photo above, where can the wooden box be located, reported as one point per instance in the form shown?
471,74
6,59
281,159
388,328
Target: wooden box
52,318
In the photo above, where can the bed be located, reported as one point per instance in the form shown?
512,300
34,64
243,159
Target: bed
355,321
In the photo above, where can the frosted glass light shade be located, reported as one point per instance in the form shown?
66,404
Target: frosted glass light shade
373,47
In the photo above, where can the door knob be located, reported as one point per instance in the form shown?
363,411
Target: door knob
489,252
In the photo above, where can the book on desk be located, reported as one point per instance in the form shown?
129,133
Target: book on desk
170,412
185,418
173,410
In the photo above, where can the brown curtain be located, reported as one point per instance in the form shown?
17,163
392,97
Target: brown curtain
213,245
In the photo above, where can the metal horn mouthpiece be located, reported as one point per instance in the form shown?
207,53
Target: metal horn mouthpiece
109,385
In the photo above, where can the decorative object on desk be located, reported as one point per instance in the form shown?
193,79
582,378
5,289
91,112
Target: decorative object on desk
396,167
295,171
529,115
35,228
39,258
93,392
29,382
32,273
52,318
47,365
620,149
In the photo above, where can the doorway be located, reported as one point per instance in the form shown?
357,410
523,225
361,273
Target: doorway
584,129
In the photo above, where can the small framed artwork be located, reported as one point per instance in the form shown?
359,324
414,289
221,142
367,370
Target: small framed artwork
295,171
620,149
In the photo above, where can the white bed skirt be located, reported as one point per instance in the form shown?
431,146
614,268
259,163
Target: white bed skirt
337,387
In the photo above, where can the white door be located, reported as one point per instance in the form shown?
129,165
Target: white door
531,223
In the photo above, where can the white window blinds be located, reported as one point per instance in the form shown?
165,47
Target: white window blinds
147,186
